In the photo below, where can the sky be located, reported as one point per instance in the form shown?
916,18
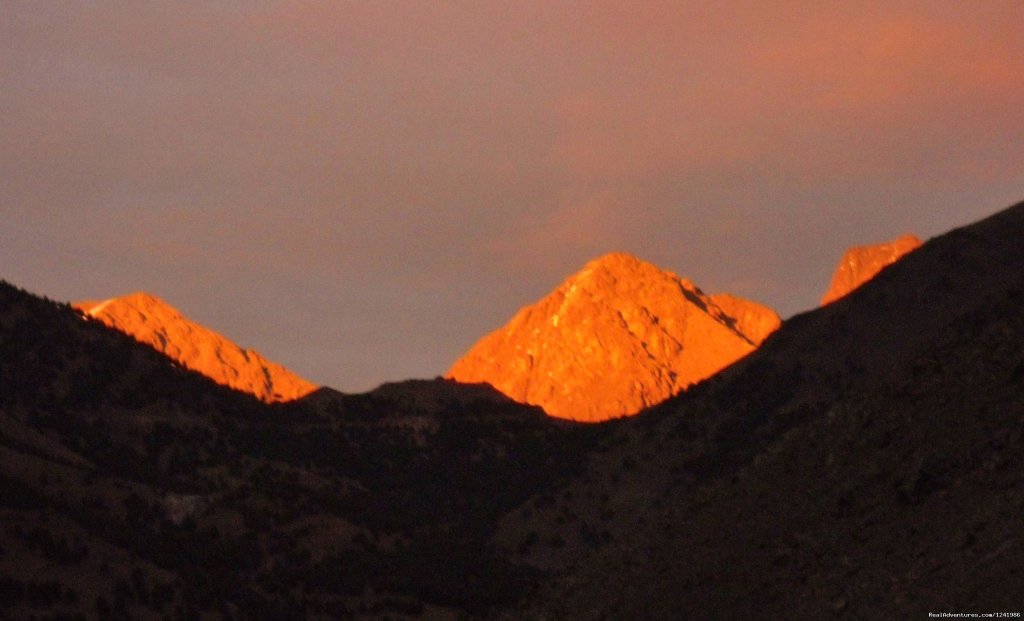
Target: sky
361,190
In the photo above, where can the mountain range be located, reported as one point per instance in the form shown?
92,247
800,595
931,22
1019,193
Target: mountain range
863,461
619,336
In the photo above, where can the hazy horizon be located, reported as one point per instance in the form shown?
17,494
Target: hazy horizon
361,191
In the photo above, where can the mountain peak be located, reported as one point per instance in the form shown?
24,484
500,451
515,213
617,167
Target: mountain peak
862,263
153,321
624,264
618,336
615,261
140,301
607,269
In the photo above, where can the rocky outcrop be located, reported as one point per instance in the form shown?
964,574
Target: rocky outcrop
862,263
152,321
619,336
752,320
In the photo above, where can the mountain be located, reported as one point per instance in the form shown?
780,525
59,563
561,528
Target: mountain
155,322
133,488
866,462
618,336
861,263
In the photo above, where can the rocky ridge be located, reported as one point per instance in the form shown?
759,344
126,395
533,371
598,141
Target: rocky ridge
862,263
153,321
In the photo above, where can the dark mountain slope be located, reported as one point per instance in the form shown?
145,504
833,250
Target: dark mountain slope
131,488
864,463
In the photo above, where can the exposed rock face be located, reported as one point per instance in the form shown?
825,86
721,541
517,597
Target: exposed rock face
619,336
158,324
862,263
754,321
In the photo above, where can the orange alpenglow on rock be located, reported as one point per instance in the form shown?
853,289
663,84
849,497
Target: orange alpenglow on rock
152,321
862,263
619,336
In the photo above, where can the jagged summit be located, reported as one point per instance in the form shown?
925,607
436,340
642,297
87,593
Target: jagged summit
155,322
862,263
616,337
